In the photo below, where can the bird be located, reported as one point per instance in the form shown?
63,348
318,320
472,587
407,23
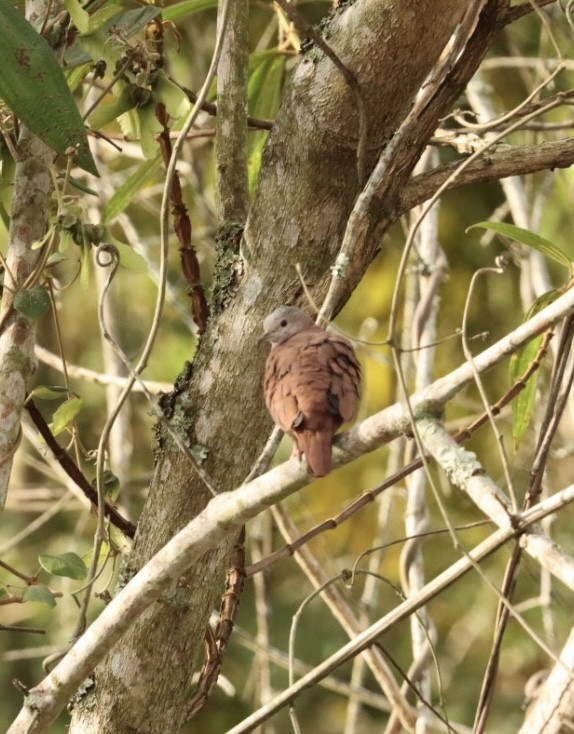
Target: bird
312,384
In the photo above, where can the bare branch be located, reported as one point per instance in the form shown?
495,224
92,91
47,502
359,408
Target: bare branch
406,608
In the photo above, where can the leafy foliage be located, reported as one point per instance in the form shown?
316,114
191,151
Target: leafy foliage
64,564
34,87
32,302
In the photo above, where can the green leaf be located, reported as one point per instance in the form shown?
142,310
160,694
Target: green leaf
81,186
523,403
118,541
132,21
104,16
65,414
129,258
39,593
54,392
93,45
86,265
79,16
264,95
132,186
541,302
258,57
150,126
174,99
113,108
34,87
187,7
68,564
32,302
530,239
89,554
129,123
65,240
74,77
54,259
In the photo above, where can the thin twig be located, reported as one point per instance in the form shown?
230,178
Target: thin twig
74,472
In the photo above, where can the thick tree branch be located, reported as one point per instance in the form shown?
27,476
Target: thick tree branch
32,187
512,161
231,119
407,608
551,711
465,472
404,610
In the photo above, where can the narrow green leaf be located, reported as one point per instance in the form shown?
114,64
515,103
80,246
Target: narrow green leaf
112,109
32,302
68,564
103,553
75,76
523,403
118,541
264,95
34,87
55,259
132,21
65,414
150,126
525,237
103,16
541,302
174,99
86,265
258,57
132,186
52,392
39,593
79,16
187,7
81,186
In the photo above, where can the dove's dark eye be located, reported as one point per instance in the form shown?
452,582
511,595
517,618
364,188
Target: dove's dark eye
284,322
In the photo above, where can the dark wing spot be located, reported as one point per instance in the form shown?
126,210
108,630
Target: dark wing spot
333,404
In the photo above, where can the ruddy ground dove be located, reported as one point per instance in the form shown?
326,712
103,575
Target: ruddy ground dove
312,381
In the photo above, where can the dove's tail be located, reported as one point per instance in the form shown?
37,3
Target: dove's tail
316,445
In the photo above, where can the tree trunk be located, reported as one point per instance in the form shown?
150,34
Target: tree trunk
307,188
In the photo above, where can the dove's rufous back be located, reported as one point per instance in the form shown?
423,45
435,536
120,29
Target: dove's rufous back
312,381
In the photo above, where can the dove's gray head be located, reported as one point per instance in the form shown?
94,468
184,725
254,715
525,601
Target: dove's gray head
285,322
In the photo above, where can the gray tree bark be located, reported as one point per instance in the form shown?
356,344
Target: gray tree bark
307,188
